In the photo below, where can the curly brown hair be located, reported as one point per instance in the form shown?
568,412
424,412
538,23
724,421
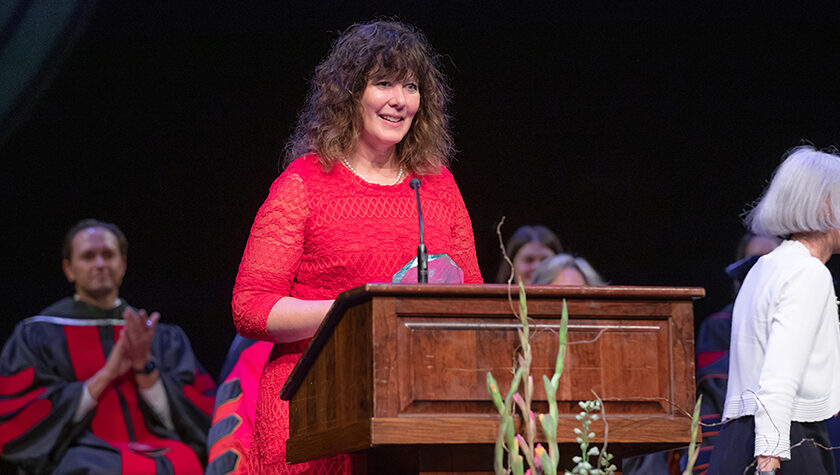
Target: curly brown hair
331,121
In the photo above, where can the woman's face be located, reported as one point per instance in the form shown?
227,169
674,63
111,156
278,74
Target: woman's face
388,107
528,258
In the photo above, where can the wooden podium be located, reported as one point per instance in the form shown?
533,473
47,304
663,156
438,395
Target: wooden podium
396,374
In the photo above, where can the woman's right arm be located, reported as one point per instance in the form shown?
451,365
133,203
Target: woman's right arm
262,305
292,319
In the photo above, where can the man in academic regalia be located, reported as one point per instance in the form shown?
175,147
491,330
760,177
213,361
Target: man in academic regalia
92,385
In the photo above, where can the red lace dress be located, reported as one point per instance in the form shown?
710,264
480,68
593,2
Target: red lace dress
316,235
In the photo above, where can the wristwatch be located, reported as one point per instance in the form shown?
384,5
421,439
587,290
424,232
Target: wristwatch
148,368
766,472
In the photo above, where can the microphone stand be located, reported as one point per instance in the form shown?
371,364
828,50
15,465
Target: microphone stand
422,256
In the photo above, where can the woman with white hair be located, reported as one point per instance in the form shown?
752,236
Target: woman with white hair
784,369
566,269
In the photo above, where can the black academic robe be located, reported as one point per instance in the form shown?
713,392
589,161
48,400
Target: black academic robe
43,367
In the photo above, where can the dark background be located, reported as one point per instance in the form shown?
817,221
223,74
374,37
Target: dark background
639,133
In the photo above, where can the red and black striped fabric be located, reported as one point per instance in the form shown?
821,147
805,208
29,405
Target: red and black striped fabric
229,441
712,373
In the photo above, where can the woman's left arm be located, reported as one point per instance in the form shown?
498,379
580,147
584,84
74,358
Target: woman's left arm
795,321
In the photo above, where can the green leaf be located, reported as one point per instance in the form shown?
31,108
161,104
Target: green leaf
693,452
514,385
493,389
564,328
510,435
499,449
549,467
518,465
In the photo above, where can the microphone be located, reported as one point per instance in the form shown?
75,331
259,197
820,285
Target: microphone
422,256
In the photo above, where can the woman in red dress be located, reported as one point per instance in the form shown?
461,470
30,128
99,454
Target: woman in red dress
342,213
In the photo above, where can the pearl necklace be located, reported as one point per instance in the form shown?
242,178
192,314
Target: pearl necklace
350,167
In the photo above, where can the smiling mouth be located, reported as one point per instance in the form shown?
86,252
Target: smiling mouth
391,118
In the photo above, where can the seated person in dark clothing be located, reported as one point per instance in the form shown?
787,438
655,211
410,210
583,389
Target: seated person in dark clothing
229,440
712,368
712,346
92,385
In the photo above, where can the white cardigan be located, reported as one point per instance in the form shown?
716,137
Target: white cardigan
784,360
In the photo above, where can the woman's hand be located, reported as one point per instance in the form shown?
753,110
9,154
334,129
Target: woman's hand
767,463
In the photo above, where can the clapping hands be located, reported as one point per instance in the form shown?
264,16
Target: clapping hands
132,350
138,333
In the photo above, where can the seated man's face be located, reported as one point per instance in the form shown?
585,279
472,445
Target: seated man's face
96,265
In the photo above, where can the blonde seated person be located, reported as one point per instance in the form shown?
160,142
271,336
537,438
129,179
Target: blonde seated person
566,269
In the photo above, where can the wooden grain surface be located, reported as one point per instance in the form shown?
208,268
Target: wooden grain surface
401,365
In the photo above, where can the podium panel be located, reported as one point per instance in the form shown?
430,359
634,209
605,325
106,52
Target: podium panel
403,366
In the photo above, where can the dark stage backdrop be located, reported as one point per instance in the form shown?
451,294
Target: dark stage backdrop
639,133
